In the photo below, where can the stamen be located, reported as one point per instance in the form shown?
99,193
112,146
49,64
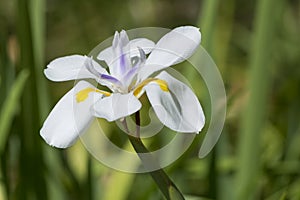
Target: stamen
138,91
82,95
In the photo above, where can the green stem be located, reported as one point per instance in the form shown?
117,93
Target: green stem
165,184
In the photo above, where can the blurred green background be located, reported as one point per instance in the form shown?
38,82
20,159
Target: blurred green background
256,46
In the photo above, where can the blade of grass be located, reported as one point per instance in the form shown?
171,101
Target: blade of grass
7,70
37,10
255,112
56,175
3,194
30,186
10,105
207,22
223,33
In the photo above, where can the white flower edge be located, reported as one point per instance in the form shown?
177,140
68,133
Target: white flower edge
72,67
178,109
69,118
174,47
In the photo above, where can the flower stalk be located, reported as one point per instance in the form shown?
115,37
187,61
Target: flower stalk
164,183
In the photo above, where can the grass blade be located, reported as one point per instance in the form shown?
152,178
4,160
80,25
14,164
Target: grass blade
254,114
37,10
9,106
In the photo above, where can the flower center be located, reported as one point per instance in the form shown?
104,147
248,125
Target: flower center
138,91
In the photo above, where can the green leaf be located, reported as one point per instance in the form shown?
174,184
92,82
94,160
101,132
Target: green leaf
37,14
249,152
9,106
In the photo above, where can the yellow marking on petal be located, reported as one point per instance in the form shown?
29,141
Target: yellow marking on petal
82,95
139,88
162,84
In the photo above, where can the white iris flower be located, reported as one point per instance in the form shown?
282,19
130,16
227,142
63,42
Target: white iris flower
174,103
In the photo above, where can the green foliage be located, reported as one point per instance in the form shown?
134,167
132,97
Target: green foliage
249,166
256,46
10,106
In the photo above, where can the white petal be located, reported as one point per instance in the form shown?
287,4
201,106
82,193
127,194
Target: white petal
68,119
145,44
106,55
121,60
71,68
178,109
174,47
117,106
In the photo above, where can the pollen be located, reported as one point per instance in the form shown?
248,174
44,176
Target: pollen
138,91
82,95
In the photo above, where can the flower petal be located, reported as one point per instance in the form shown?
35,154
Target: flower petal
143,43
117,106
178,109
69,118
121,60
174,47
71,68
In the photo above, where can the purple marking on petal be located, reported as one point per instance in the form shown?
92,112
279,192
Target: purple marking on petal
123,63
129,76
110,78
130,73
